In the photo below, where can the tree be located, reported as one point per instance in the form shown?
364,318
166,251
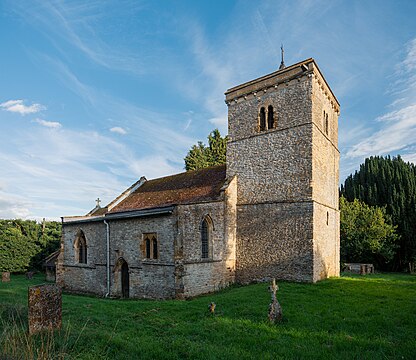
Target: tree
25,244
201,156
390,183
367,234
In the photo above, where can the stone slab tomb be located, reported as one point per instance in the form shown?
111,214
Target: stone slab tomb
45,308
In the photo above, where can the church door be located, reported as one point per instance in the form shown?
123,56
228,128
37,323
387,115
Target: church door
125,280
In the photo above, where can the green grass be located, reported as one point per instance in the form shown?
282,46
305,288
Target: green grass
371,317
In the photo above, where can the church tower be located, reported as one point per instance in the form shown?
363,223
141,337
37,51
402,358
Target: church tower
283,148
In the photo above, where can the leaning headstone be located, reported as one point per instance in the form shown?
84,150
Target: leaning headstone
211,308
29,275
5,277
45,308
275,310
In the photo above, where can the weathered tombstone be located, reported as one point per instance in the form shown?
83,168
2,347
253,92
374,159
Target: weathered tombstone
29,275
45,308
5,276
275,310
211,308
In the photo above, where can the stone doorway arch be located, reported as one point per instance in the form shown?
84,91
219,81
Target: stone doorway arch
121,278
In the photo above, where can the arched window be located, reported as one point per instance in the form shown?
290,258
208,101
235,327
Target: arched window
205,239
81,247
154,243
262,119
150,246
270,117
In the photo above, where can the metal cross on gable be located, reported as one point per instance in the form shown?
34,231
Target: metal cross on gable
98,202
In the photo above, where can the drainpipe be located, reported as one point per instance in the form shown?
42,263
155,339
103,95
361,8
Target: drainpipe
108,257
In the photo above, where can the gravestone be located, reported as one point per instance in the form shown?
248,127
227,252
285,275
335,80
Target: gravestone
5,277
29,275
275,310
211,308
45,308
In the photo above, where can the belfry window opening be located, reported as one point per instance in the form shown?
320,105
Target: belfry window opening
262,119
266,118
270,117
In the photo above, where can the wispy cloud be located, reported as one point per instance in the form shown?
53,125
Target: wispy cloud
48,124
118,130
78,24
397,132
18,106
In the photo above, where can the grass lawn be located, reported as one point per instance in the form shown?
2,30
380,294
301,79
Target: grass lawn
352,317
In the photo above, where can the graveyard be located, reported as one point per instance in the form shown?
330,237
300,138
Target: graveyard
354,316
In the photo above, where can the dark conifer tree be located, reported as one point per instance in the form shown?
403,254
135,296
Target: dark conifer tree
389,182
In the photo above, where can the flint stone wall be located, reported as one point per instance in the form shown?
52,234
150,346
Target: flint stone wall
45,308
287,178
194,274
275,240
149,278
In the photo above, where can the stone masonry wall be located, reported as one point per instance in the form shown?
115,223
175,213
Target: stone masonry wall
275,240
273,167
326,242
83,278
325,151
149,278
196,275
325,177
287,149
281,173
291,102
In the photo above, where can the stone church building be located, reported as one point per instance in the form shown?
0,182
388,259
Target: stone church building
271,211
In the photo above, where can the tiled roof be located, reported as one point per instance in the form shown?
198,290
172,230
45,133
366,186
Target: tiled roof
184,188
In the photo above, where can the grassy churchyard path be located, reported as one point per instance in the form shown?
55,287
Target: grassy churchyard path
352,317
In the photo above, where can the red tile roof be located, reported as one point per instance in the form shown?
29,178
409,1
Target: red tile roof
184,188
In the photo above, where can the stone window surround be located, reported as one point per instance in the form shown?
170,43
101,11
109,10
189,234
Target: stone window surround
151,236
210,228
266,106
81,240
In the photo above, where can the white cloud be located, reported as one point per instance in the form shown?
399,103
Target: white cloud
397,132
17,106
118,130
48,124
220,121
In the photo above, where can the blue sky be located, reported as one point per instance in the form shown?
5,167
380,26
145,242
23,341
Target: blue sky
95,94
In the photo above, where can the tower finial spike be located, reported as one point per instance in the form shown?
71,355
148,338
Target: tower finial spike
282,64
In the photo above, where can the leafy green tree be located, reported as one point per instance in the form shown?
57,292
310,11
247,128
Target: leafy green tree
201,156
25,243
391,183
367,234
